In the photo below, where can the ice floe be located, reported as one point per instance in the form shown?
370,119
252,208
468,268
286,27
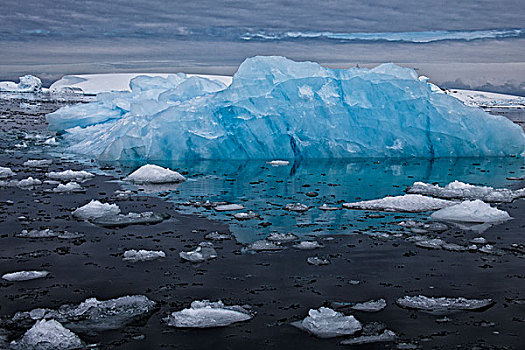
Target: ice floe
205,251
38,163
296,207
386,336
217,236
228,207
143,255
69,187
443,304
461,190
475,211
246,216
370,306
411,203
326,207
418,226
327,323
206,314
45,233
24,275
317,261
48,335
29,182
154,174
70,175
95,210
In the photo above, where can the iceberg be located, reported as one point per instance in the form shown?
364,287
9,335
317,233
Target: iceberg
206,314
48,335
154,174
143,255
327,323
28,83
205,251
471,212
95,210
276,108
24,275
6,172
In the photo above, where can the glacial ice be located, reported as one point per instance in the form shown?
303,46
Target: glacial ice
411,203
154,174
24,275
203,252
327,323
6,172
471,212
143,255
48,335
276,108
45,233
298,207
28,83
461,190
443,304
278,162
95,210
92,315
246,216
206,314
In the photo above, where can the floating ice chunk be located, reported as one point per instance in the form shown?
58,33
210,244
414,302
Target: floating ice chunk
93,315
143,255
154,174
203,252
411,203
38,163
52,141
296,207
70,175
278,162
471,212
70,235
264,245
489,249
69,187
314,260
434,243
28,83
48,335
443,304
95,210
24,275
217,236
46,233
479,240
281,237
29,182
228,207
453,247
386,336
461,190
328,208
327,323
121,220
5,173
432,226
206,314
308,245
246,216
370,306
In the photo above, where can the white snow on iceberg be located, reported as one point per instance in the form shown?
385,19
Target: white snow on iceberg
154,174
472,212
411,203
206,314
276,108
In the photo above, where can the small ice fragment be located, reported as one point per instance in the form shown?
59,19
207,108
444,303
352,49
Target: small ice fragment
479,240
296,207
29,182
386,336
435,243
432,226
411,203
264,245
443,304
370,306
281,237
453,247
143,255
354,282
245,216
96,209
52,141
217,236
70,175
328,208
314,260
278,162
46,233
472,212
6,172
327,323
38,163
308,245
27,83
489,249
69,187
48,335
206,314
229,207
203,252
121,220
70,235
24,275
154,174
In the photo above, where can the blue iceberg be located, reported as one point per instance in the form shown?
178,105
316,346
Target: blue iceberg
276,108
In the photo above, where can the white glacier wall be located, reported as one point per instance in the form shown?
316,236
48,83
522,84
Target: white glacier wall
276,108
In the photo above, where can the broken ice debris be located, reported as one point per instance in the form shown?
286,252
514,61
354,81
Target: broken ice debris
48,335
121,220
314,260
278,162
217,236
154,174
281,237
46,233
434,243
203,252
264,245
478,240
143,255
29,182
461,190
328,208
327,323
245,216
472,212
417,225
70,175
386,336
24,275
228,207
92,315
370,306
443,304
206,314
308,245
296,207
69,187
38,163
5,173
95,210
411,203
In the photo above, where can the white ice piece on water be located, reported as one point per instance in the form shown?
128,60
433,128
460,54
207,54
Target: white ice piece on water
154,174
327,323
48,335
206,314
442,304
143,255
27,83
6,172
203,252
471,212
411,203
70,175
95,210
24,275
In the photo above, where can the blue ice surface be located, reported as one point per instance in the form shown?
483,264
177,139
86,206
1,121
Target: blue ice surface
276,108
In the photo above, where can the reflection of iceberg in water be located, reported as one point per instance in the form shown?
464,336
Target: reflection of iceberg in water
276,108
266,190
